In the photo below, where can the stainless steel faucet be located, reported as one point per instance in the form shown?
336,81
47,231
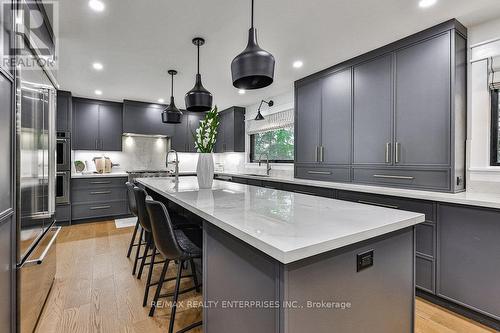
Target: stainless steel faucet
176,163
268,168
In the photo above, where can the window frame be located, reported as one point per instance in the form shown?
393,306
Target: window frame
253,158
495,100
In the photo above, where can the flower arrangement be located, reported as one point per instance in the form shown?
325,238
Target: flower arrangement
206,135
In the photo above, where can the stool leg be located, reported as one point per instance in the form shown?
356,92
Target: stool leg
158,288
133,239
150,273
195,277
137,253
176,297
145,255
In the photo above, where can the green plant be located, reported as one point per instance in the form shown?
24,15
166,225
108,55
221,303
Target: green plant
206,135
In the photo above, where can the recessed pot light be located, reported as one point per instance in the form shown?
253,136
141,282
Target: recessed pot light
426,3
96,5
298,64
242,91
98,92
161,100
97,66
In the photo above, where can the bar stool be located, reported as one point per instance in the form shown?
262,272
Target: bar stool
133,208
174,246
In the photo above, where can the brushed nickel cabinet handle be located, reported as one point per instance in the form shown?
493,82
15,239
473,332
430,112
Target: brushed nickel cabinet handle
377,204
99,207
394,177
322,154
100,192
388,152
397,148
101,182
316,158
319,172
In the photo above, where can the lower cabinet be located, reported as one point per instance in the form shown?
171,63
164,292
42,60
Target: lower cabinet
63,213
468,266
99,197
324,173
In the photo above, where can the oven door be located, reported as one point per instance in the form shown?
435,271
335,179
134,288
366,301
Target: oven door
62,187
63,154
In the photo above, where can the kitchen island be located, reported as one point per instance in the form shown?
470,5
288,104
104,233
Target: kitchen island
277,261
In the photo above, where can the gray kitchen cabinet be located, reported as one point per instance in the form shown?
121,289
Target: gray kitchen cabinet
422,104
178,141
64,111
97,125
373,111
231,132
468,266
336,118
145,118
85,135
110,127
193,123
307,122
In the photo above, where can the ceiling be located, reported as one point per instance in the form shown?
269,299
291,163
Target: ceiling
138,41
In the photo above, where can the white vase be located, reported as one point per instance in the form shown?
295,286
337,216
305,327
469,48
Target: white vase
205,170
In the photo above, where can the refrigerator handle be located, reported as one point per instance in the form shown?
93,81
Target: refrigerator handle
39,260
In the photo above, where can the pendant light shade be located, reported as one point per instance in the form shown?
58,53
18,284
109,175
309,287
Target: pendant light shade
198,99
254,67
171,114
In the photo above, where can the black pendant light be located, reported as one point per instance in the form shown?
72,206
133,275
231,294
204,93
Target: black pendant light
254,67
259,115
198,99
171,114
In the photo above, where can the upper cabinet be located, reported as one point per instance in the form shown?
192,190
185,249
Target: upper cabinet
231,132
97,125
182,139
64,111
145,118
394,116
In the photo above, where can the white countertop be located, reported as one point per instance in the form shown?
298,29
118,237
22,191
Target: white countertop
97,175
285,225
490,200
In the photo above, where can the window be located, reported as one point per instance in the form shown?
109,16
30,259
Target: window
277,143
495,128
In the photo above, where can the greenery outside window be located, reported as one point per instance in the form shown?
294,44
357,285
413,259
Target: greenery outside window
277,143
495,128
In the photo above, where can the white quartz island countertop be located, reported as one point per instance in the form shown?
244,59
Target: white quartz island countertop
286,226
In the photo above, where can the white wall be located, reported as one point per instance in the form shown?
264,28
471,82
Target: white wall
481,177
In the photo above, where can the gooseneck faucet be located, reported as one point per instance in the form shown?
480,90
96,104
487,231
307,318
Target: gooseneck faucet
176,163
268,167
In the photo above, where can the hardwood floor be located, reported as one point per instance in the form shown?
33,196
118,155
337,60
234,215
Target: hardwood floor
94,290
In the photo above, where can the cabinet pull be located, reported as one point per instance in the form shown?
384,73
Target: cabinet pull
100,207
396,148
322,154
316,158
319,172
100,192
377,204
101,182
394,177
388,152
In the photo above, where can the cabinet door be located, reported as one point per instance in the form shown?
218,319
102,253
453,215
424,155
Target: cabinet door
178,140
193,124
85,125
336,118
373,111
110,127
64,107
308,122
220,144
145,118
229,131
423,103
469,257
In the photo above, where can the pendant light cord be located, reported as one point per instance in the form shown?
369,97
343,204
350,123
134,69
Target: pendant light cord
172,87
198,58
252,14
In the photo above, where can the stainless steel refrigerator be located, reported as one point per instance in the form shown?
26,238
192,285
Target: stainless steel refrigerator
36,177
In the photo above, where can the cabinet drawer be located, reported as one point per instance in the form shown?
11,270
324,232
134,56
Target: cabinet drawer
425,239
317,191
98,182
425,179
326,174
424,274
99,194
98,210
417,206
63,213
272,185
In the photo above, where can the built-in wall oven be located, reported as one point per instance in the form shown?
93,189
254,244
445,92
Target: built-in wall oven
63,151
63,187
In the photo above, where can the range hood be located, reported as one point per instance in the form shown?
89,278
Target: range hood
147,135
